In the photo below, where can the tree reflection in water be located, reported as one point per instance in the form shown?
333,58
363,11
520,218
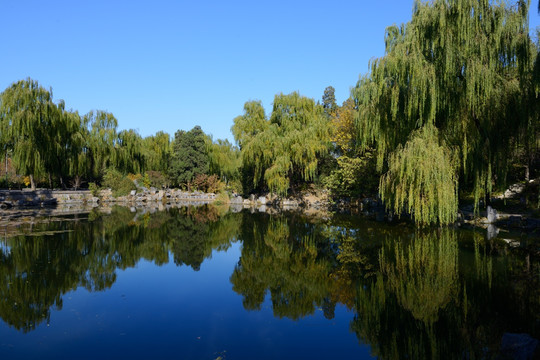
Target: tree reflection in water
432,294
285,257
35,271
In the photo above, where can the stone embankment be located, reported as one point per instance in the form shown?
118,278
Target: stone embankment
45,198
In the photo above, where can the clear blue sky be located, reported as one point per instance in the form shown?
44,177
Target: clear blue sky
169,65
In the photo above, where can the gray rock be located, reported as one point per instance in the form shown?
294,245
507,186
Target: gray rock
133,192
491,215
262,200
236,200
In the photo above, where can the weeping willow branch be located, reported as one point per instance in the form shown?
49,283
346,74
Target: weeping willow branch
421,179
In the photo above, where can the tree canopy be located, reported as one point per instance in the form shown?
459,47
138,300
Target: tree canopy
459,66
189,157
284,148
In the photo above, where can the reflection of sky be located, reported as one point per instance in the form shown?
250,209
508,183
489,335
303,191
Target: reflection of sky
175,312
4,247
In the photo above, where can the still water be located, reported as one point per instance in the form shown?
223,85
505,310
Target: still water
205,283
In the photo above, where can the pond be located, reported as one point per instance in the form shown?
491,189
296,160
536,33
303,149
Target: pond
206,283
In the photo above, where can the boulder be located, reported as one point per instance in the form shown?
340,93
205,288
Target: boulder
491,215
237,200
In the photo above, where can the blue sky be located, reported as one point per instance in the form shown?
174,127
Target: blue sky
169,65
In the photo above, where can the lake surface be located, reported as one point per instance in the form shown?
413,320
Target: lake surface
205,283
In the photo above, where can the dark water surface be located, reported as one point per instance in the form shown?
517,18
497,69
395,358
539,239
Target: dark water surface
204,283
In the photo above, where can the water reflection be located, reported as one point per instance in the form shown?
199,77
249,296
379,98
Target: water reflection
431,294
289,259
36,271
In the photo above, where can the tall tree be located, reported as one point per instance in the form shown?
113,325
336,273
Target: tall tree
458,66
224,159
189,157
329,101
157,150
102,139
129,152
286,147
26,114
342,127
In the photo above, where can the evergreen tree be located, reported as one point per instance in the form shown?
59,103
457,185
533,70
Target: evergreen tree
189,156
329,101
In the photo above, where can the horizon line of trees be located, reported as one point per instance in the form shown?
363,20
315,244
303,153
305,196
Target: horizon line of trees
42,140
450,110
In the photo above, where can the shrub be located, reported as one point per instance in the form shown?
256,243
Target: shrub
156,179
353,176
94,189
210,184
119,184
222,198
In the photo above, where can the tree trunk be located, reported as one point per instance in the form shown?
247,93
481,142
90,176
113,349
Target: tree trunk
32,183
7,179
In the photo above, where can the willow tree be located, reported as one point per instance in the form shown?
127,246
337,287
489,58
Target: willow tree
421,179
26,115
458,65
224,159
102,138
157,150
286,147
129,152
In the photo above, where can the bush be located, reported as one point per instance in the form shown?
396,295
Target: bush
119,184
209,184
94,189
222,198
156,179
353,177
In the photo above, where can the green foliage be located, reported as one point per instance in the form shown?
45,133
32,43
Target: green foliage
129,152
353,176
189,157
155,179
329,101
102,138
460,66
343,131
94,189
224,159
284,149
422,180
120,185
157,152
209,184
27,115
222,198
